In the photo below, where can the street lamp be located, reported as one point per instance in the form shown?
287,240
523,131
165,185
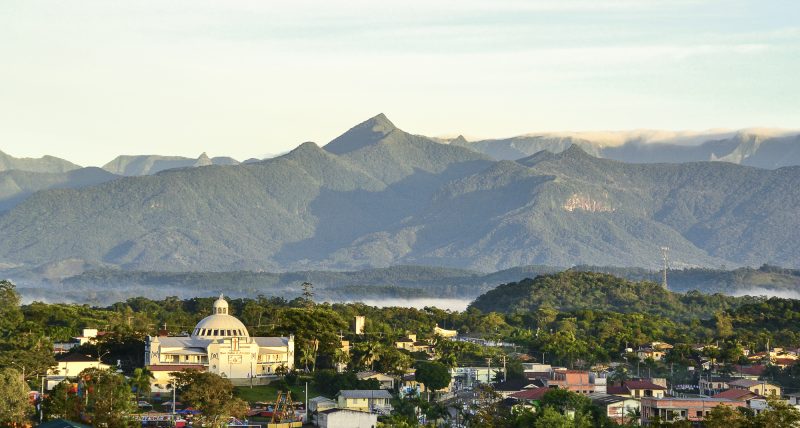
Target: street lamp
172,385
22,367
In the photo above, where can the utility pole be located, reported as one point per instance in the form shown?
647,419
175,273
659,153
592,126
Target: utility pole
665,255
489,373
505,376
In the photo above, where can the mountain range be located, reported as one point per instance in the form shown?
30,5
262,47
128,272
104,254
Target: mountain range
151,164
761,148
378,196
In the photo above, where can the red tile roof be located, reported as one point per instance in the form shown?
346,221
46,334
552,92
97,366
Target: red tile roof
530,394
751,370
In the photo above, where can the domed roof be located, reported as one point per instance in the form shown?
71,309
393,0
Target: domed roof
220,324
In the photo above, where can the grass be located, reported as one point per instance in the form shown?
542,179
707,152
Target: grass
270,392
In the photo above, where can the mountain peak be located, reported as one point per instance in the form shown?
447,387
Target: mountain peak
364,134
381,121
203,160
574,152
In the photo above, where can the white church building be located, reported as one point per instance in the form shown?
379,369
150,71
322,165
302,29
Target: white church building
220,344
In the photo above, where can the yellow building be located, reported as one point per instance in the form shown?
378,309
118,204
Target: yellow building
365,400
759,387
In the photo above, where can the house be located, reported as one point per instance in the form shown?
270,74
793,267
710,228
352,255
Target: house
529,398
367,400
760,387
69,366
385,381
574,380
784,362
316,405
793,399
346,418
536,370
749,372
505,389
411,344
600,381
655,350
674,409
755,402
447,334
637,389
618,409
88,335
320,403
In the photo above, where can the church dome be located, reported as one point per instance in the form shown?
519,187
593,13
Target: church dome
219,324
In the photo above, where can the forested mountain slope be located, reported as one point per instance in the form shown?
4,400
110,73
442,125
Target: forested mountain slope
378,196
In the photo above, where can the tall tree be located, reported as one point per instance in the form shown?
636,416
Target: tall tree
140,381
109,398
212,395
61,403
434,375
14,406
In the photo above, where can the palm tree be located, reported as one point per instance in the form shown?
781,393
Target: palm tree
141,381
368,352
340,357
307,355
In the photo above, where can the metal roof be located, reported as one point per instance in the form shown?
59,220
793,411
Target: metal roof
365,393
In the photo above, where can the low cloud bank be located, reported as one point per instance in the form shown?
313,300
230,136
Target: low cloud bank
784,294
451,304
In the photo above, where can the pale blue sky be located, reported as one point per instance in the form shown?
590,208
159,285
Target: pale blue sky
88,80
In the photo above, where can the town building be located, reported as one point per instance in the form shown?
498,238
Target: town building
220,344
317,405
447,334
793,399
411,344
88,335
385,381
573,380
760,387
655,350
346,418
637,389
674,409
755,402
619,409
69,366
505,389
365,400
713,385
359,323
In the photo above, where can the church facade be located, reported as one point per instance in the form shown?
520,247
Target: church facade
220,344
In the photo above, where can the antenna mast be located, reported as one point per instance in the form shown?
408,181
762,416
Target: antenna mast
665,255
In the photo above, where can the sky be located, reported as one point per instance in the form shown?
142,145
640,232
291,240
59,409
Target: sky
89,80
